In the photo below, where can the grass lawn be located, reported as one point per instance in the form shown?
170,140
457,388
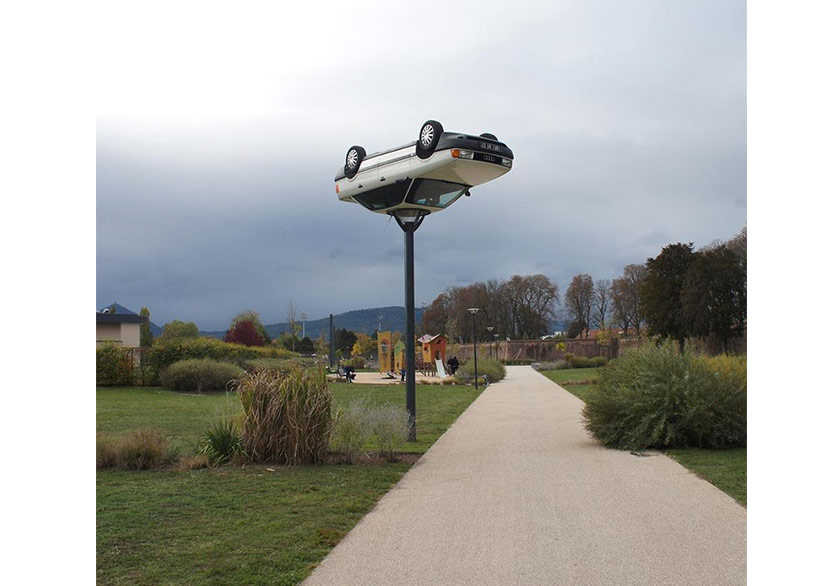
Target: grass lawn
251,525
725,469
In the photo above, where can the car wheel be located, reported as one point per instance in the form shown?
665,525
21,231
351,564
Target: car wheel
488,135
428,137
353,160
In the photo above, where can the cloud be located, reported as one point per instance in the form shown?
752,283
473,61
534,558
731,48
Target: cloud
218,143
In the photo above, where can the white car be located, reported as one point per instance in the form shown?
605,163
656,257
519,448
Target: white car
428,174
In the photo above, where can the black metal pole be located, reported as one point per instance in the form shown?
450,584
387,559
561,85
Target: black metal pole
409,266
332,354
475,356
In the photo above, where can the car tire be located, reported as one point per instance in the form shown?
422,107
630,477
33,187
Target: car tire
488,135
353,160
428,137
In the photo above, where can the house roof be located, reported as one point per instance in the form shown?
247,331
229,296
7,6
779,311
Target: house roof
124,318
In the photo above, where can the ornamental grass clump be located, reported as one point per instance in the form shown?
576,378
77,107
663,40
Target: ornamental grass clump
390,426
286,417
660,397
351,430
221,442
199,375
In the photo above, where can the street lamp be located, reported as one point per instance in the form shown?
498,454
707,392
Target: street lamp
489,344
412,181
496,342
473,311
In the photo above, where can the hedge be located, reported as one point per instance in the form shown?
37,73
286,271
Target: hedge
166,352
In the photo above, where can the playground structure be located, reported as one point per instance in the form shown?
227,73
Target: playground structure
392,355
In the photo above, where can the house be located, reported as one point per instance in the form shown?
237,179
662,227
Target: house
433,348
118,325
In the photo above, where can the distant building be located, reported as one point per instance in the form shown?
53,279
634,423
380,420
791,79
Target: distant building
118,325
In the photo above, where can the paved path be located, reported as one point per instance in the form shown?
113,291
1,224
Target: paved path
516,492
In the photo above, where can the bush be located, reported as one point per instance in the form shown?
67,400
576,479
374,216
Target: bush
658,397
114,366
166,352
276,365
143,450
198,376
558,365
494,370
359,422
222,441
287,417
390,426
584,362
356,362
351,430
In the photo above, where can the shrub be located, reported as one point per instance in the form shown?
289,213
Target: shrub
351,430
166,352
658,397
583,362
390,426
557,365
222,441
142,450
114,366
287,417
356,362
494,370
197,376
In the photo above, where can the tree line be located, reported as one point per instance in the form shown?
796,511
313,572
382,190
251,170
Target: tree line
681,292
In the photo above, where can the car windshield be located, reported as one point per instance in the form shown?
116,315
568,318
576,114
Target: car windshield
434,192
384,197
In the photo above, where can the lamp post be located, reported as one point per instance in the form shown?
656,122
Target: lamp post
496,342
489,341
473,311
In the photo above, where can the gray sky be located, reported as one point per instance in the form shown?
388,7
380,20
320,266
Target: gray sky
219,134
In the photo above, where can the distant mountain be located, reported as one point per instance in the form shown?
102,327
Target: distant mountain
364,321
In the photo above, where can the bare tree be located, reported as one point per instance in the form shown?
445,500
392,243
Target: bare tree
579,300
626,297
602,299
292,318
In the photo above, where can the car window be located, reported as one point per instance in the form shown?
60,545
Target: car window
434,192
383,197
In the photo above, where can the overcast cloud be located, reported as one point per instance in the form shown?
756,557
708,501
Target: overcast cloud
219,134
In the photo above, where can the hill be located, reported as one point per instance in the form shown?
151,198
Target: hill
358,320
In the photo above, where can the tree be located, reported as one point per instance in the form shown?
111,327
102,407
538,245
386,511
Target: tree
714,293
244,332
306,346
661,291
364,346
179,329
602,299
579,299
344,341
251,315
292,319
146,338
626,298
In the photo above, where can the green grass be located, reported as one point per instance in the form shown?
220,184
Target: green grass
237,525
725,469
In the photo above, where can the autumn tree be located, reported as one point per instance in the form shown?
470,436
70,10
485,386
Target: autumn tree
364,346
252,316
661,292
244,332
579,301
626,298
344,341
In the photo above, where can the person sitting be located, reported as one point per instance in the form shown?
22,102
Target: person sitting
350,375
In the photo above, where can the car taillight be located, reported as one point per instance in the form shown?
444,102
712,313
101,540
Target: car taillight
461,154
